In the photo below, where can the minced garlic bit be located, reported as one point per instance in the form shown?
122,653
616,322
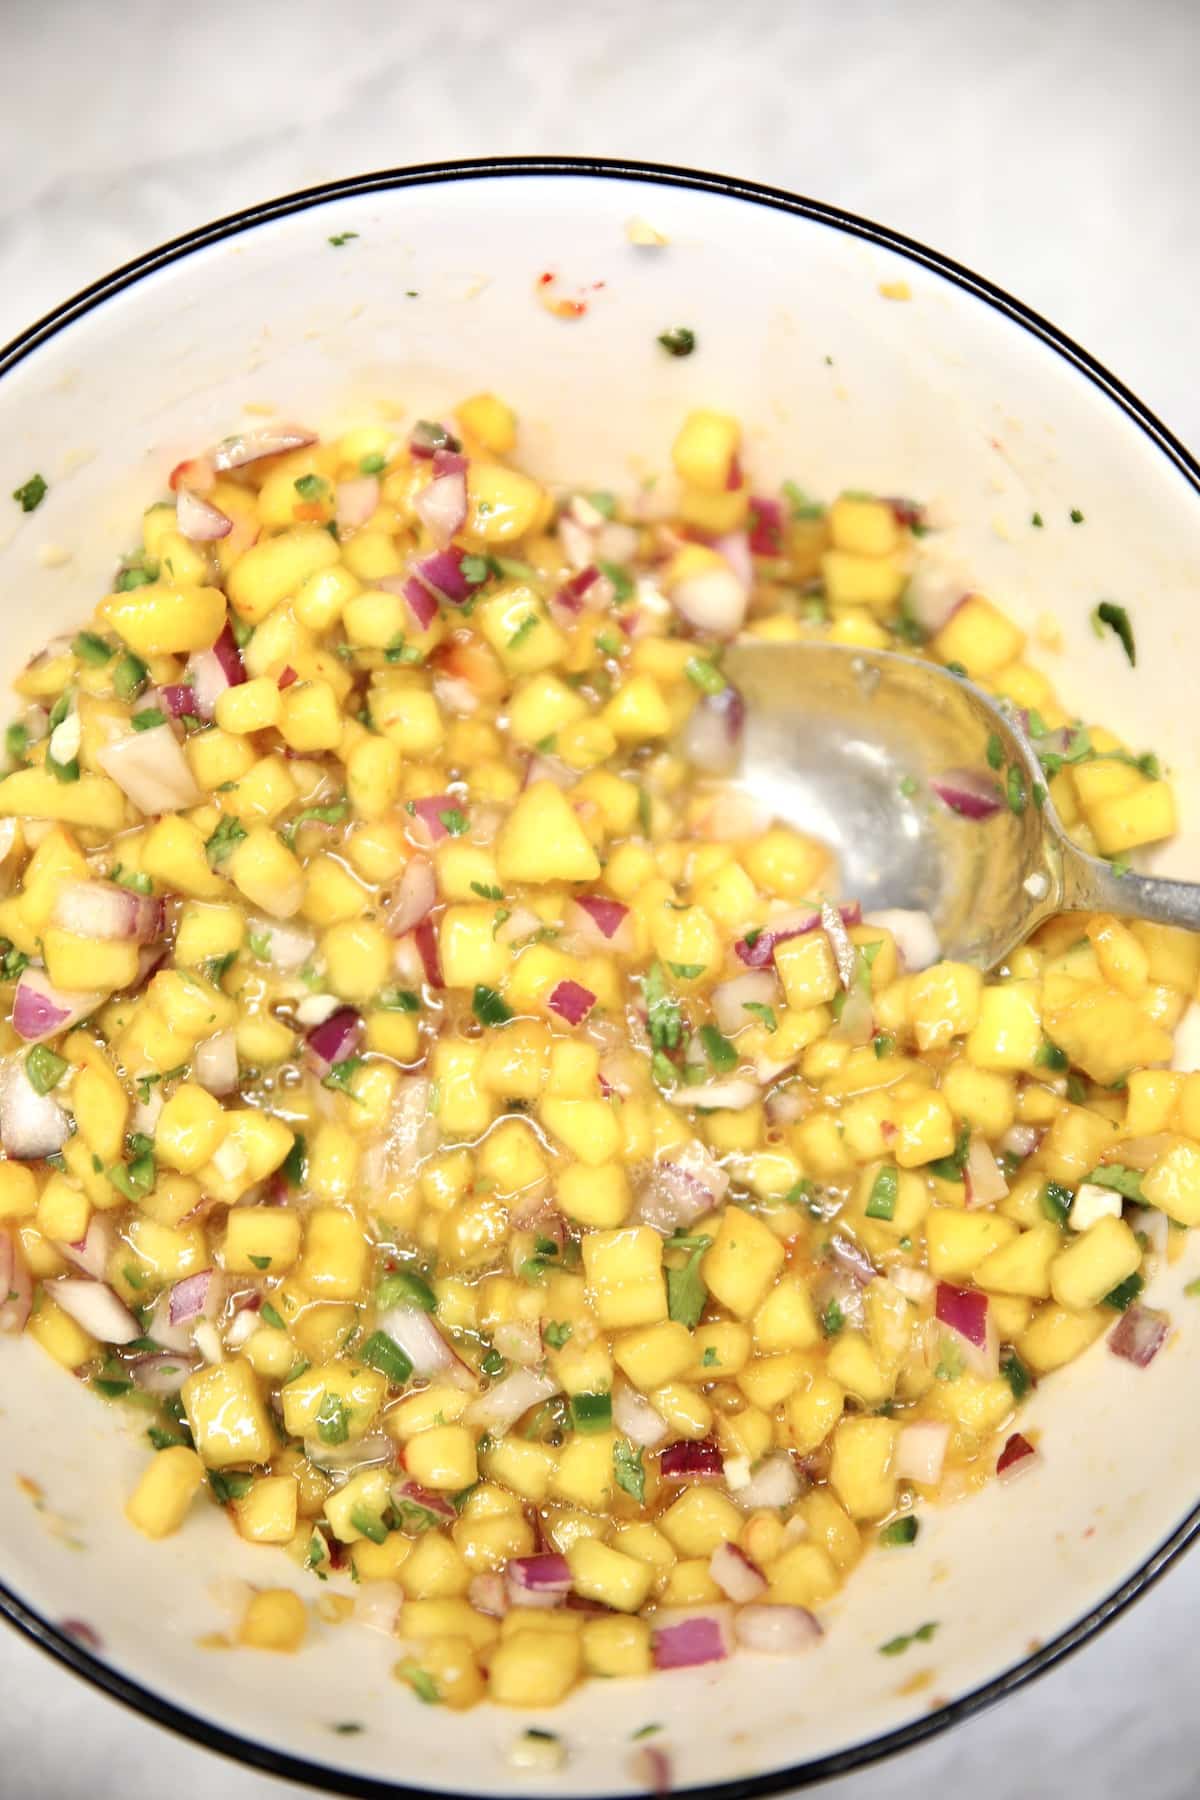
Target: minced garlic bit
469,1123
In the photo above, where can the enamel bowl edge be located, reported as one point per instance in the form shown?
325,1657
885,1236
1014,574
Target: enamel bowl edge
956,395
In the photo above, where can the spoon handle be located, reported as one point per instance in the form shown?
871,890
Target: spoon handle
1090,885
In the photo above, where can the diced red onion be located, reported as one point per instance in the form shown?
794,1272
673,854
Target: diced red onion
733,1095
982,1174
501,1406
199,520
288,946
543,1580
196,473
734,546
684,1637
207,683
634,1415
191,1298
713,601
428,436
428,812
683,1185
287,678
443,572
487,1594
761,952
176,699
1140,1335
969,793
415,896
251,446
32,1125
160,1373
93,1250
354,501
776,1630
650,1768
419,1338
739,1579
101,909
571,1001
151,769
420,602
966,1315
1017,1458
333,1040
571,595
920,1452
16,1285
692,1459
731,998
774,1483
852,1259
425,938
442,505
712,736
1021,1140
229,656
40,1010
607,916
96,1308
913,930
416,1495
215,1063
766,526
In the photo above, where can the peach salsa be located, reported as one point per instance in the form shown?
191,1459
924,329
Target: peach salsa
470,1143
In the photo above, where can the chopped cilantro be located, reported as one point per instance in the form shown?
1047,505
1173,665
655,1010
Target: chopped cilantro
454,821
800,504
764,1014
148,719
342,1074
900,1531
832,1319
664,1019
881,1203
30,494
1076,516
295,1163
1114,1175
261,1262
1124,1294
628,1469
398,1000
1117,619
333,1419
678,340
229,1484
591,1412
487,892
525,625
342,237
686,1291
884,1044
130,677
44,1068
489,1007
995,751
896,1645
1055,1201
92,649
421,1683
269,1316
1016,1374
719,1051
619,579
404,1287
1014,789
705,675
556,1333
229,832
686,971
369,1524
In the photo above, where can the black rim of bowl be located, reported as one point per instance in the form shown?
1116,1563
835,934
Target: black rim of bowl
57,1640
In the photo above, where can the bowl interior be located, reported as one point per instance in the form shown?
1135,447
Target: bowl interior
943,395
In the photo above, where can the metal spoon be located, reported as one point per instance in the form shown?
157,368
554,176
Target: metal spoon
854,746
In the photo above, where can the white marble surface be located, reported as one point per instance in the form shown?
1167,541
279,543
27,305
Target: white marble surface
1053,148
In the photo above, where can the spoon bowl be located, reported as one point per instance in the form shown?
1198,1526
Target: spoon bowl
931,794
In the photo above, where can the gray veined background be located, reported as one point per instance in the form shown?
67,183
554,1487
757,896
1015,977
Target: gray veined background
1052,147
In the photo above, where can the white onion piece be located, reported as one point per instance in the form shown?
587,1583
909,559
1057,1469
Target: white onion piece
933,593
682,1186
732,1096
198,519
857,1023
96,1308
776,1630
455,695
377,1607
521,923
32,1125
151,769
419,1338
499,1409
739,1579
1021,1140
714,601
983,1175
241,1328
712,735
844,953
215,1063
576,541
735,548
920,1452
730,999
442,506
354,501
634,1415
92,1253
774,1483
788,1104
8,837
251,446
732,815
981,1359
913,930
415,896
488,1594
1186,1055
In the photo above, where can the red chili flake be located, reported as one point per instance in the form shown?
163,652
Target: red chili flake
82,1632
287,677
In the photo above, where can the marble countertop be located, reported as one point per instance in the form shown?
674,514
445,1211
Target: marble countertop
1052,149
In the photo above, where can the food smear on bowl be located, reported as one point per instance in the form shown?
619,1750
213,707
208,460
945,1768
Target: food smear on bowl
495,1159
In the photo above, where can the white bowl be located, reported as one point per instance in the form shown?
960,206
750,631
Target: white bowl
958,396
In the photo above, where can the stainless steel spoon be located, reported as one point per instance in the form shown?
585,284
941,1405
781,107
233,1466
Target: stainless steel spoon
859,746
